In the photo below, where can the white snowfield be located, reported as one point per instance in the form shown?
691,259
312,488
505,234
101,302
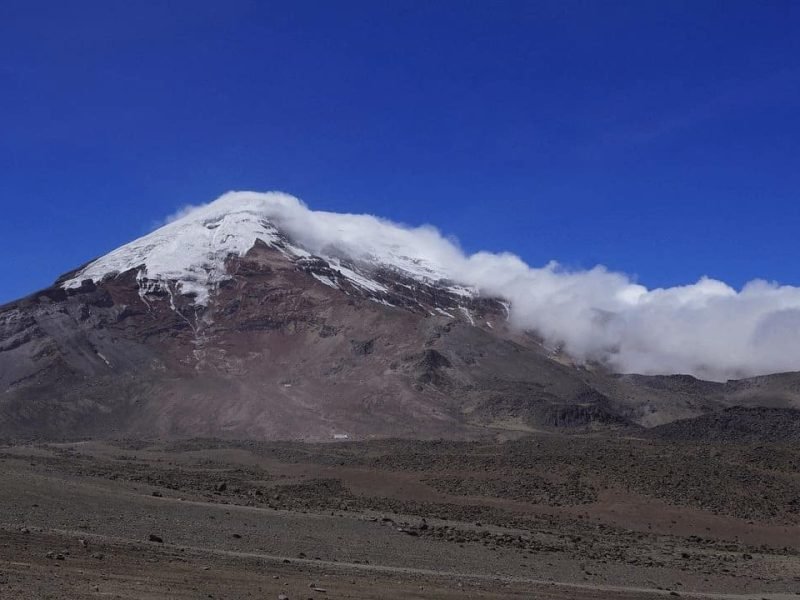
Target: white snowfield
187,255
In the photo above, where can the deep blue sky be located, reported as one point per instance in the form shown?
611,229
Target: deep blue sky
658,138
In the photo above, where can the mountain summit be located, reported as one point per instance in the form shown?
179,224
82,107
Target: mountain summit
188,255
246,318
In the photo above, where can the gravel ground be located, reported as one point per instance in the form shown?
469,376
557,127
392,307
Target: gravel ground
549,517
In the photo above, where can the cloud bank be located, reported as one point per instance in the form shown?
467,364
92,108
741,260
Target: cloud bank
707,328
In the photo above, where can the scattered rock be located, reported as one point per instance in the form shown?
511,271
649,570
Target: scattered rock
362,347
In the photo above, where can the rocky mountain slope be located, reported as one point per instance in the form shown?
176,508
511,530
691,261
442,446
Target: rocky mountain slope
222,324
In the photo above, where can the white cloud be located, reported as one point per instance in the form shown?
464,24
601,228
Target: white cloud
706,328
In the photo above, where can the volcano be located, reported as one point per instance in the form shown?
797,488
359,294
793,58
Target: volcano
236,320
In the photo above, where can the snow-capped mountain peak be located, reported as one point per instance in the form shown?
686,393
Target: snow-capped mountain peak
189,253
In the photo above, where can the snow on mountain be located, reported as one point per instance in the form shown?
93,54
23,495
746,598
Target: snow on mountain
187,256
708,328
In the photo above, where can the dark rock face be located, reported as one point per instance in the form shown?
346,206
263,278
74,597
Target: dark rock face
279,354
580,415
362,348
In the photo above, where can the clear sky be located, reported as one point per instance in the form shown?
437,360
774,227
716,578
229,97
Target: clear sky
661,139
